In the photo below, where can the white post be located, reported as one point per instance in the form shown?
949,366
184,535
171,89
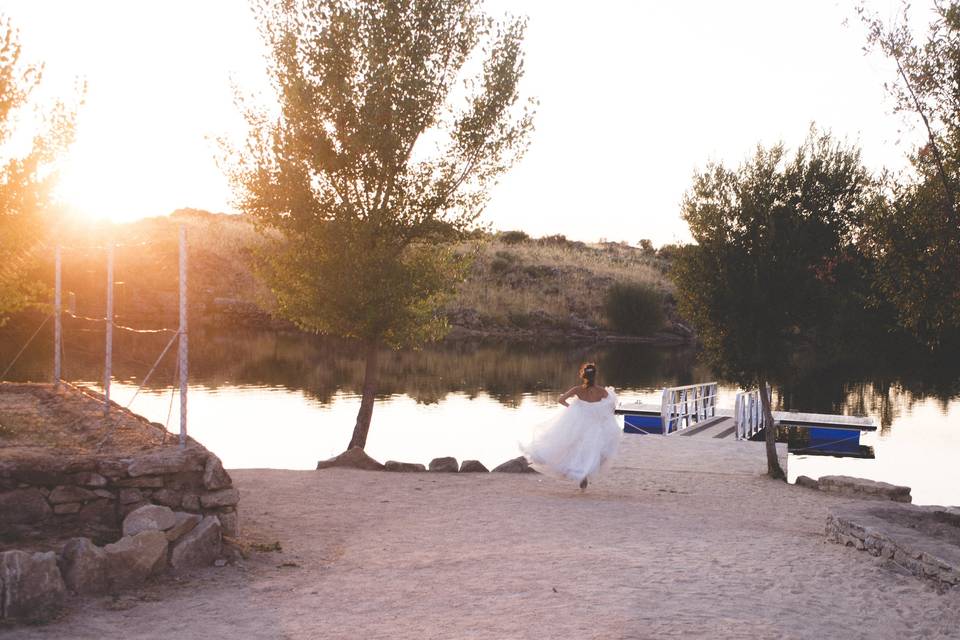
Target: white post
183,336
57,323
665,412
108,326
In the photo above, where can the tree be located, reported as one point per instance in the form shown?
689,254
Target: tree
914,235
27,173
375,161
759,285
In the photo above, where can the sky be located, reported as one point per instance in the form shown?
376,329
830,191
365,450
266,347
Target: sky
634,96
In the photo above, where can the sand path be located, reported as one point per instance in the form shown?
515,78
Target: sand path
684,538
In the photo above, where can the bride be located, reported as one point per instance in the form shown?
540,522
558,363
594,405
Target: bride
581,441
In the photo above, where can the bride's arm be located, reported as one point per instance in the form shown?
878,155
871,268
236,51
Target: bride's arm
569,394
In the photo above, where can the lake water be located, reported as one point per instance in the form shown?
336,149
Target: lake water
262,399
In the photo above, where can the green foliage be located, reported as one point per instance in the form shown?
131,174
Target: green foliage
634,308
27,177
760,283
647,247
513,237
914,236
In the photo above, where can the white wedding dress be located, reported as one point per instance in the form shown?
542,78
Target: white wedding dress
579,442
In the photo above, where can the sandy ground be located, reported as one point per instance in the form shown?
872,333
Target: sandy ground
684,539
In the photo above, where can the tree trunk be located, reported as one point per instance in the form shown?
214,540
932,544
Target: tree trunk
773,463
359,438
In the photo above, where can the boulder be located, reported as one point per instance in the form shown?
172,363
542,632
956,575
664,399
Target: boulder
222,498
31,588
191,502
214,477
199,548
184,523
84,566
354,458
517,465
143,482
149,517
230,523
64,494
67,508
862,488
403,467
89,479
132,559
129,496
808,482
167,498
444,465
172,460
23,506
473,466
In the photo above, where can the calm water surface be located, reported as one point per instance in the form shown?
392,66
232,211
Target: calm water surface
274,400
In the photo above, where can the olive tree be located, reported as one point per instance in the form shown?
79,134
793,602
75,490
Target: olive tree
393,119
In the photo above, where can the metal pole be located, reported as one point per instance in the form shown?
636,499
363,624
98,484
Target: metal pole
58,320
108,325
183,336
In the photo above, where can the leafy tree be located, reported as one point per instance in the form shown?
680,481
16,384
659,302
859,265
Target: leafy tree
26,169
760,283
376,159
914,235
634,308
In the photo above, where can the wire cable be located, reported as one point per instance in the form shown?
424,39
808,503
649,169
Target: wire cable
24,348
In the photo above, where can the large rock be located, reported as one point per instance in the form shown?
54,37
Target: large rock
185,522
214,477
354,458
84,566
149,517
403,467
31,588
517,465
199,548
64,494
222,498
444,465
230,523
132,559
172,460
473,466
89,479
862,488
23,506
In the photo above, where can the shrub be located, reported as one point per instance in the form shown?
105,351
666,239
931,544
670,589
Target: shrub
513,237
634,308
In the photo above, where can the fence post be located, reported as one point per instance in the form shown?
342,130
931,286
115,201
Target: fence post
183,342
58,320
108,327
665,412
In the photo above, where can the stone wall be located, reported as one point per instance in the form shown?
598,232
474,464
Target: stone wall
50,497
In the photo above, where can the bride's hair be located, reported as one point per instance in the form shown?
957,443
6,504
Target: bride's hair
588,374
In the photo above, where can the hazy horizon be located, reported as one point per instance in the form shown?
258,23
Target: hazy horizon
633,98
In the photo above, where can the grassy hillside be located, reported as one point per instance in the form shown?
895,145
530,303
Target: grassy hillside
518,286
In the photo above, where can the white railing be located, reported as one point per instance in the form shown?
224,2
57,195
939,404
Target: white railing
748,414
682,407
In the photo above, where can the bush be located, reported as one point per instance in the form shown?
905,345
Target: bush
633,308
512,237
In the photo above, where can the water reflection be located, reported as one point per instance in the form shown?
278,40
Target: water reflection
285,400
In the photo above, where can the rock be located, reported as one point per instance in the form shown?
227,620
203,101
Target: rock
230,523
472,466
31,588
67,508
191,502
405,467
149,517
200,547
84,566
222,498
517,465
808,482
167,497
89,479
144,482
127,509
172,460
354,458
61,495
23,506
214,477
132,559
104,493
184,523
444,465
129,496
862,488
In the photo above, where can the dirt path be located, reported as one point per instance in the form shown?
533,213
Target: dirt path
680,540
